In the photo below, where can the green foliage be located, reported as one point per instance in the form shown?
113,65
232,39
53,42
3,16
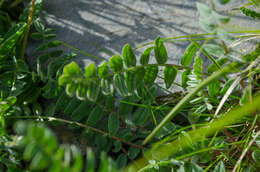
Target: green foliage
40,147
114,104
250,13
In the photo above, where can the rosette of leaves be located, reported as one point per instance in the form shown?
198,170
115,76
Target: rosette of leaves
120,74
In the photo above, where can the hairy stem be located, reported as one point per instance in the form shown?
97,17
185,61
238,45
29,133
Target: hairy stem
78,124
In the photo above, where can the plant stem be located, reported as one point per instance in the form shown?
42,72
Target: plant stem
29,22
78,124
245,151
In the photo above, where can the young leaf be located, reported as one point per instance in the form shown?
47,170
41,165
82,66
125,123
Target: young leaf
170,74
144,60
220,167
150,74
116,63
81,92
72,69
90,71
160,51
71,89
103,70
188,55
93,90
119,81
129,56
113,123
107,86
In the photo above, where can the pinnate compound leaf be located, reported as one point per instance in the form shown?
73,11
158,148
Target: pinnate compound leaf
144,60
170,74
129,56
103,70
220,167
90,71
188,55
160,51
116,63
113,123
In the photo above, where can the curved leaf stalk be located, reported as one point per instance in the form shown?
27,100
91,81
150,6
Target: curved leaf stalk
182,38
26,34
196,135
188,97
78,124
80,51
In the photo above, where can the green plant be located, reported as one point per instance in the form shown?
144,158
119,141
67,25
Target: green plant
115,106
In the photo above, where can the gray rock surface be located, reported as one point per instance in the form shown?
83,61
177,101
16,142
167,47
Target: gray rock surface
102,27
